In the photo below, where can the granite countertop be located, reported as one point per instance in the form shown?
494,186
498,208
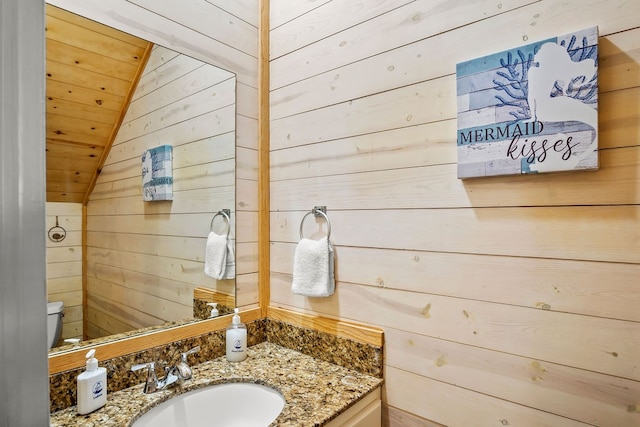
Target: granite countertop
315,391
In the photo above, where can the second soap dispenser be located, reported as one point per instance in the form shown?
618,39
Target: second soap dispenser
214,309
236,339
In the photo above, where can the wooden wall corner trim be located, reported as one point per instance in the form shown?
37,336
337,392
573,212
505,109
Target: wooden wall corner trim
263,161
358,332
84,272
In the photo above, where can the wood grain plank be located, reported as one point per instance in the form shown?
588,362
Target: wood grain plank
412,146
455,406
198,154
198,103
95,26
64,269
108,278
550,387
204,126
62,128
179,270
142,23
453,25
83,59
281,12
596,233
166,65
103,41
413,105
402,26
579,287
615,183
243,9
619,61
205,18
84,96
63,254
324,21
126,303
64,73
115,318
203,77
601,345
92,113
61,148
64,284
407,106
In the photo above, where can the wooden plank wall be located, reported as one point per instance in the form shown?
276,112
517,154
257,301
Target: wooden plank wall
220,33
504,301
144,259
64,265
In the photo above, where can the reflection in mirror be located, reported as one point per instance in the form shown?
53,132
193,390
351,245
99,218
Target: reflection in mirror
111,97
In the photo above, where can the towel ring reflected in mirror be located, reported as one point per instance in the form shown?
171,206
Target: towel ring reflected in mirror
225,213
57,233
317,211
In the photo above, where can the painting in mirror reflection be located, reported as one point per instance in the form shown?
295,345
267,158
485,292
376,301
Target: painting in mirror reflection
144,262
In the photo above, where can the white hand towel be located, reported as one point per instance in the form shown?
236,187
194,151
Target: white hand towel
230,269
313,268
215,255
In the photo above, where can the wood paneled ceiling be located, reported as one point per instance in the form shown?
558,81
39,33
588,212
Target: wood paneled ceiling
92,72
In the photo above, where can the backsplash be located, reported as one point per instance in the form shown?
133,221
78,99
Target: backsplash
365,358
340,351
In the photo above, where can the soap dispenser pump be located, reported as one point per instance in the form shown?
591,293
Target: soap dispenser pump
236,339
214,309
92,386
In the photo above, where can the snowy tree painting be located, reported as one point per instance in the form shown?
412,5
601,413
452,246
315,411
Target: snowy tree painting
530,109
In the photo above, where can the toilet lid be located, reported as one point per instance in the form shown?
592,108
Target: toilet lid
55,307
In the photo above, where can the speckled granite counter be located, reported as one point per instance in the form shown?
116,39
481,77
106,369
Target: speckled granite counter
315,391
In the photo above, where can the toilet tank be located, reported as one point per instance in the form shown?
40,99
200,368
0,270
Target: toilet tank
54,322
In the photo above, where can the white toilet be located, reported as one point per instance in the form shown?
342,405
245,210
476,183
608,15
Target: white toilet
54,322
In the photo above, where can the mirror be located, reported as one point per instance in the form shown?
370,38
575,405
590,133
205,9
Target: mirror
144,259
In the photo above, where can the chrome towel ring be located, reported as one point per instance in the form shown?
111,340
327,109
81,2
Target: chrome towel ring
317,211
57,233
225,213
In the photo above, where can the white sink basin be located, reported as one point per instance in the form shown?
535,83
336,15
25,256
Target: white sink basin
228,405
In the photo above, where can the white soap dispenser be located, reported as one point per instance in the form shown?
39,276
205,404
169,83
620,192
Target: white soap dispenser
236,339
92,386
214,309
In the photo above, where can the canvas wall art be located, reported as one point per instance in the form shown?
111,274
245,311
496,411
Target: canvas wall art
157,173
531,109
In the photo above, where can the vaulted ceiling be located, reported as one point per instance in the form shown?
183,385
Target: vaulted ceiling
92,72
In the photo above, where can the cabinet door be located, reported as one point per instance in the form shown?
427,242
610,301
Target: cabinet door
365,413
370,416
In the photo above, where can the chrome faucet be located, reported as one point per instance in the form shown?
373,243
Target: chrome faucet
175,374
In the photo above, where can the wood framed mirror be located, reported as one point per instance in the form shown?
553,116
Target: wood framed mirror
143,246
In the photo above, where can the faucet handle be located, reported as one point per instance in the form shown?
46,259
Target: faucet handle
150,365
186,353
184,370
151,383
